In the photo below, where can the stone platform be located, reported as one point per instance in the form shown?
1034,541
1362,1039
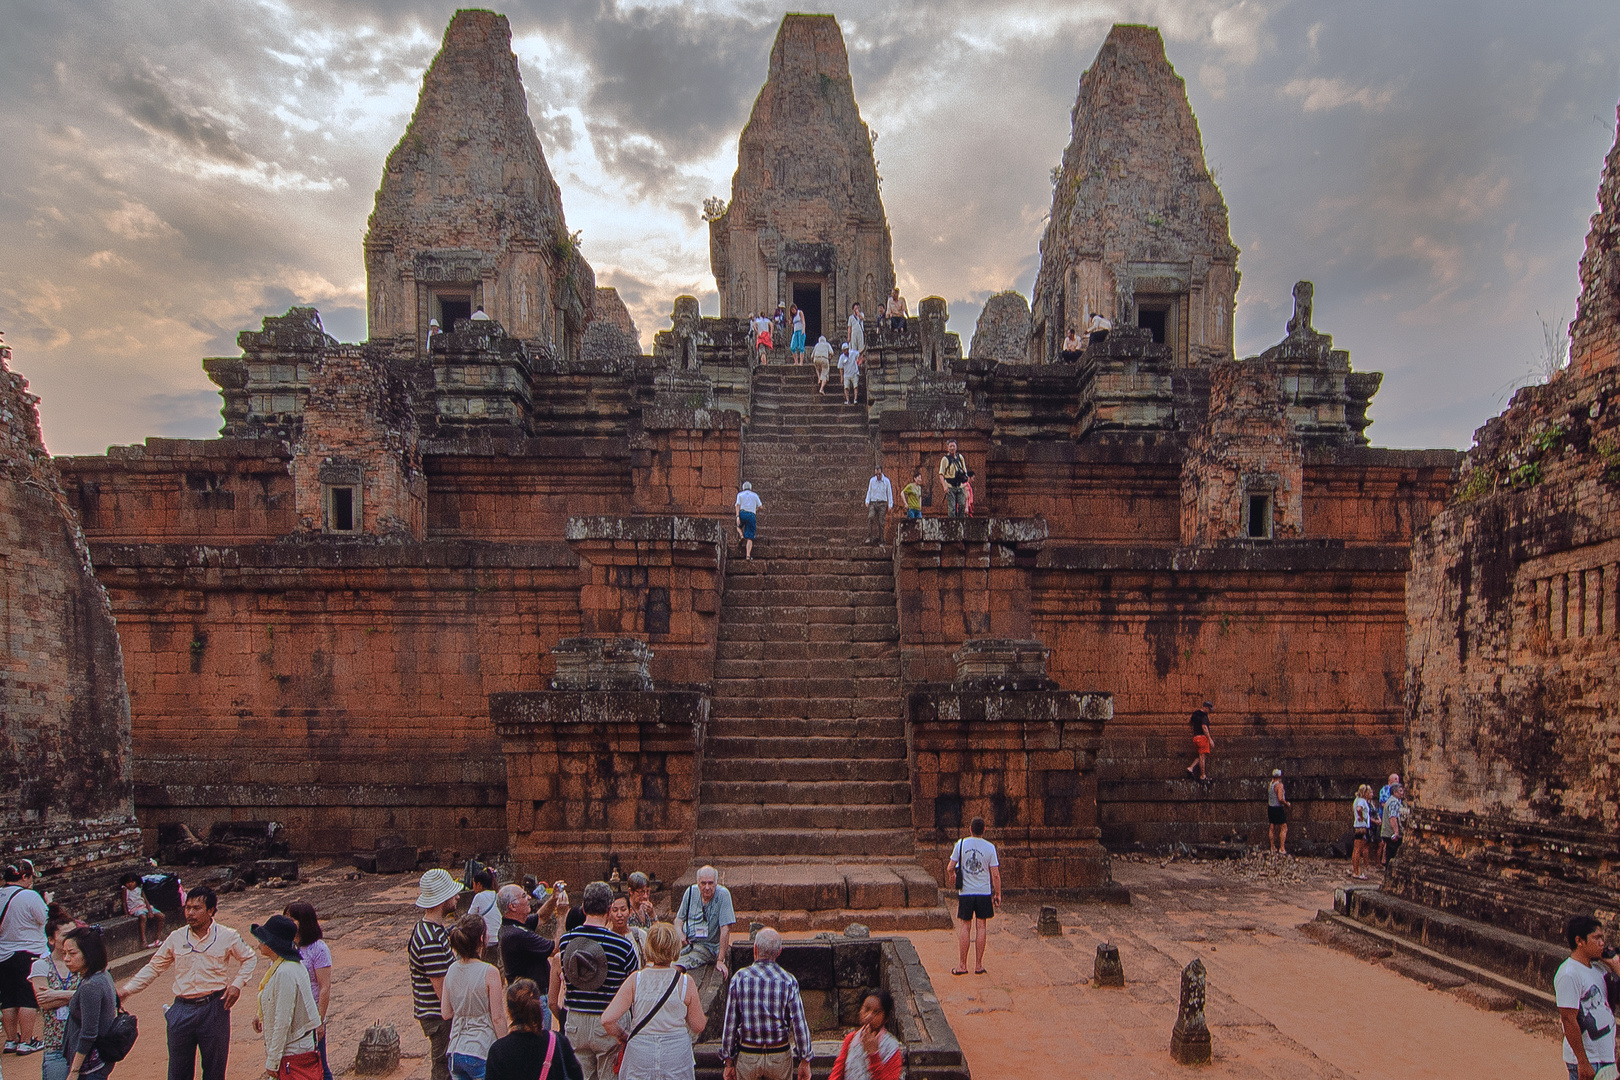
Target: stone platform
829,895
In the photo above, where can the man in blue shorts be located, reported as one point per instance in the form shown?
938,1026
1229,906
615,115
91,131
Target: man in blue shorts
748,505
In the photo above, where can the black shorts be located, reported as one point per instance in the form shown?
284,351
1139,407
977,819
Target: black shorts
1277,815
16,992
969,906
1361,834
1392,845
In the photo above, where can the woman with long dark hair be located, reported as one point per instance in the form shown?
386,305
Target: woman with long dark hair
318,962
93,1007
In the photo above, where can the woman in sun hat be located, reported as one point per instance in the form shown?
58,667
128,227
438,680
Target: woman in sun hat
288,1015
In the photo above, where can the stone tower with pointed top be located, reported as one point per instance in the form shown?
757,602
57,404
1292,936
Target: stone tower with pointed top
468,214
1138,229
805,223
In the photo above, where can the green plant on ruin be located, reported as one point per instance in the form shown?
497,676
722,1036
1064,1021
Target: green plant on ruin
564,243
1527,475
1154,219
1480,483
198,645
1550,439
1608,452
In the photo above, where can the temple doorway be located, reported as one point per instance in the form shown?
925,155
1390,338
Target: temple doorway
807,297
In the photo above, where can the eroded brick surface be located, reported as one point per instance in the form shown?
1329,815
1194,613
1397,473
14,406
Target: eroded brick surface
1002,332
1513,736
65,791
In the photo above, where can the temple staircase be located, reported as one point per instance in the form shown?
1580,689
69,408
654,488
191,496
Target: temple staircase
805,805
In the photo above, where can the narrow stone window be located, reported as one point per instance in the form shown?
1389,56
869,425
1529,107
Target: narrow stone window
1260,517
342,508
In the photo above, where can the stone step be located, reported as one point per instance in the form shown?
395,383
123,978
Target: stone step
824,886
855,843
805,769
805,792
806,650
825,685
861,576
738,747
793,727
804,707
754,590
819,670
784,631
767,615
877,920
804,815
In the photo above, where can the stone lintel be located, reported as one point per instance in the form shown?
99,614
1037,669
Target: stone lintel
593,663
954,706
336,553
520,713
651,529
993,664
1263,556
1023,532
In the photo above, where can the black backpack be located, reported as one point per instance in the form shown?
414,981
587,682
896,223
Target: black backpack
115,1043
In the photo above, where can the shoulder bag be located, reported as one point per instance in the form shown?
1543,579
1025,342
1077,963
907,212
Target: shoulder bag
959,855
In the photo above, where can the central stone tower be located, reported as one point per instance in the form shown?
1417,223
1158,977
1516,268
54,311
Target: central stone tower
805,224
468,214
1138,229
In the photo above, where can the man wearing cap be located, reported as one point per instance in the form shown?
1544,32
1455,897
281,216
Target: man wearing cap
1277,813
595,963
1202,742
202,953
765,1031
703,922
430,957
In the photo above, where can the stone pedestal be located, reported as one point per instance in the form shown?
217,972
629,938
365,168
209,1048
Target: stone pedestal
595,777
588,663
1189,1040
1024,761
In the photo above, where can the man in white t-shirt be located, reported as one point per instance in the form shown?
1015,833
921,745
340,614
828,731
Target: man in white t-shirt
1583,1000
980,893
748,505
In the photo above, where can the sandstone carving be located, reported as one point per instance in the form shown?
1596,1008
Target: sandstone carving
1189,1039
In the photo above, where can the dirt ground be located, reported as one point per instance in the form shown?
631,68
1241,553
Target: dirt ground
1280,1005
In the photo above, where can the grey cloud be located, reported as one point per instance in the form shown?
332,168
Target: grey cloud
143,97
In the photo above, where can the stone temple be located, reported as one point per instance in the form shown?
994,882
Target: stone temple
475,588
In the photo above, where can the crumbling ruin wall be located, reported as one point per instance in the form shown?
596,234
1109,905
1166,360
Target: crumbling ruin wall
65,744
1513,649
1002,332
1137,222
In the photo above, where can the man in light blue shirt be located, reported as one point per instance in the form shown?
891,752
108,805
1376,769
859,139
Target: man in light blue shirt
703,921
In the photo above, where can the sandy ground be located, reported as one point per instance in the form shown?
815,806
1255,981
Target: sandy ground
1280,1005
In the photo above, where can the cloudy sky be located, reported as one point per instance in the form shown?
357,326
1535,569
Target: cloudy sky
173,171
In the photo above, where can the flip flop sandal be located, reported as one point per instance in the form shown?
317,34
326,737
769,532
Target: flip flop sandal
959,971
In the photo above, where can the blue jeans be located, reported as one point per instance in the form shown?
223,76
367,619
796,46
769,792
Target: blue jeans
913,514
53,1065
466,1067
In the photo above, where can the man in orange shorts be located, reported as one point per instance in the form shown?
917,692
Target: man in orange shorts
1199,770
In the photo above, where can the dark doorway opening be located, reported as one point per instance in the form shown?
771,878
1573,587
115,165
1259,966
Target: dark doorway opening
1154,320
453,310
807,297
1260,517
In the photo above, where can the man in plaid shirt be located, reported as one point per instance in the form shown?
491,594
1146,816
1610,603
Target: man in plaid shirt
765,1032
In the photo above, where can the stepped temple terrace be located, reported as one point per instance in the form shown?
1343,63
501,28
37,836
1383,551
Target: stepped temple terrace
473,588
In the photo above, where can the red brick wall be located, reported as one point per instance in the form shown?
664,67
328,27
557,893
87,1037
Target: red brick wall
184,491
